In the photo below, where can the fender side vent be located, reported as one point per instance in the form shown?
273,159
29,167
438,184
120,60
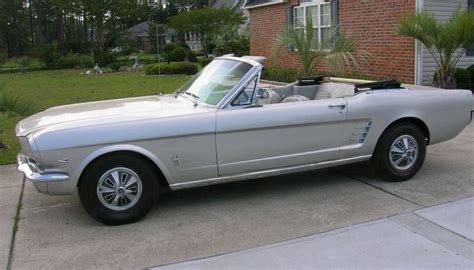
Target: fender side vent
360,133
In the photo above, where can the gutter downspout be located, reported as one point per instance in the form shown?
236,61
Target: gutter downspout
419,7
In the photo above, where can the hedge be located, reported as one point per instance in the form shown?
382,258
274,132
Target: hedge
172,68
462,77
204,61
279,74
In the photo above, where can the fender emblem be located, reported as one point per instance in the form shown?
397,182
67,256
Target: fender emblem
175,160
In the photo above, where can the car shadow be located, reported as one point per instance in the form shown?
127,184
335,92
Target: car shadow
284,185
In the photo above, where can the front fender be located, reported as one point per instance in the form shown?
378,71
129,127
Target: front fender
121,147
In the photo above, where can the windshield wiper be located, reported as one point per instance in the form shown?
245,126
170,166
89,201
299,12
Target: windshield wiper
196,98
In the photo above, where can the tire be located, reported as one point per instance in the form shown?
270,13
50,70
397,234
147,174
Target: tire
391,149
99,190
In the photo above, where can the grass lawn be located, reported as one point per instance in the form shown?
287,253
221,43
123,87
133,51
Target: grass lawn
45,89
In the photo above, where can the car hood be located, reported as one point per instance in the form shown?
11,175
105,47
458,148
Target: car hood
109,112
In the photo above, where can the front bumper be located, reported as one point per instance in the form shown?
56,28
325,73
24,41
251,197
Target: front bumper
35,174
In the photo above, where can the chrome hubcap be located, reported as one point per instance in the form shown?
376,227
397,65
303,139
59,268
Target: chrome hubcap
403,152
119,189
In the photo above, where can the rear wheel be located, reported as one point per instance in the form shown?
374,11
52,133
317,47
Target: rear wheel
118,189
400,152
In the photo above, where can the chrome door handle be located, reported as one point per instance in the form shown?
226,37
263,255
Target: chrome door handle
341,106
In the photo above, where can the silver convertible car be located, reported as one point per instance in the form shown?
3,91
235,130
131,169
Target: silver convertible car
224,126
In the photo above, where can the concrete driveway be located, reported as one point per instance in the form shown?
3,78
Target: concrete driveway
55,232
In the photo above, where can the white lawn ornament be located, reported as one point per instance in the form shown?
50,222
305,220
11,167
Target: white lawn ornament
97,70
136,63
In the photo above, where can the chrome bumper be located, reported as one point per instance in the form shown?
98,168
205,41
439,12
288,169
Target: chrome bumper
34,174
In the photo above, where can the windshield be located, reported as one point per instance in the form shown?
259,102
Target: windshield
212,83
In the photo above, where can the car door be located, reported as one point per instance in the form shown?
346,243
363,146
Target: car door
252,138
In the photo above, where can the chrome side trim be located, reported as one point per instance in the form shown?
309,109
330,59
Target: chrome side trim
267,173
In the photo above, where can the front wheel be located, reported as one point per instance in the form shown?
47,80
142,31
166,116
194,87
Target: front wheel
118,189
400,152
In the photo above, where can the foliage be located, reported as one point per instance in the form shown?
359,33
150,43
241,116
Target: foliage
168,48
337,50
471,70
103,58
191,56
30,24
14,105
177,54
239,46
463,78
59,87
3,58
73,60
24,62
78,26
204,61
446,42
210,23
115,66
161,11
279,74
172,68
52,59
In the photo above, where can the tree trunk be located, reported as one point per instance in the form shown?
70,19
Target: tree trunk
61,42
100,31
32,30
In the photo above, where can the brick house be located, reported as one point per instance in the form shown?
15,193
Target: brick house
371,23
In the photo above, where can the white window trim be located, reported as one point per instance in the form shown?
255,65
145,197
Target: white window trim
304,6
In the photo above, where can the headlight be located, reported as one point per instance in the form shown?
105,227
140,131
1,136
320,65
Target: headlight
29,150
25,145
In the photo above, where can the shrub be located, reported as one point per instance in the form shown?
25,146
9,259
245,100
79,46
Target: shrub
238,46
85,60
173,68
115,66
471,70
103,58
191,56
72,61
178,54
167,49
204,61
279,74
47,54
3,58
24,62
463,78
15,105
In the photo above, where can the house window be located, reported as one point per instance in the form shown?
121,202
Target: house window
320,12
470,50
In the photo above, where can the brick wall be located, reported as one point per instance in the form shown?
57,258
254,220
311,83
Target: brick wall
371,23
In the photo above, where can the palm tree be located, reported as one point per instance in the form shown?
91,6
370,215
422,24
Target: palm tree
338,50
446,42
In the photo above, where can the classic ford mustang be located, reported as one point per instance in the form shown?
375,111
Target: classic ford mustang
223,126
